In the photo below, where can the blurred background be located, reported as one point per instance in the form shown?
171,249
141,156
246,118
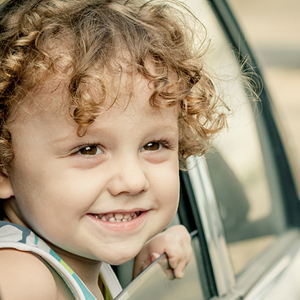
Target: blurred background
273,31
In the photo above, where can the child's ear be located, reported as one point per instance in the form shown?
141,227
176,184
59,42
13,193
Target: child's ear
6,190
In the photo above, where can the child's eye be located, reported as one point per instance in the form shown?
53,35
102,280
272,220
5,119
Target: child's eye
157,145
89,150
152,146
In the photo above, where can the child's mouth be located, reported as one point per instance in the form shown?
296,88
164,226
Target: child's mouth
117,217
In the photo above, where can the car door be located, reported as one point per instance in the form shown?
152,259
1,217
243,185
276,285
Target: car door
240,202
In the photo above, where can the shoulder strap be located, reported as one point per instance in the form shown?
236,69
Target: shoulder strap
21,238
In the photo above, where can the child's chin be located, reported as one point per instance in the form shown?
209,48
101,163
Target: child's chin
119,258
115,262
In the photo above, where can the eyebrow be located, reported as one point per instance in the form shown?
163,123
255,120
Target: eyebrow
63,138
105,131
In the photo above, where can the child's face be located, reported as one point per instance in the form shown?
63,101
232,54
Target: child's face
126,163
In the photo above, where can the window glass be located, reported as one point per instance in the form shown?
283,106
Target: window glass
157,283
241,161
270,27
276,45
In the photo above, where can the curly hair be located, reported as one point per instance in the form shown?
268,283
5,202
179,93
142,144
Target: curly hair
79,40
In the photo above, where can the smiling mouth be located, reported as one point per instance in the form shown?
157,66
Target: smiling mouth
118,217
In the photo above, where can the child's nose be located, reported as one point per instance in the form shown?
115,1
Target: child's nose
130,178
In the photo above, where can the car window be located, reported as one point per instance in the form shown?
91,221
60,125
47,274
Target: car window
240,161
276,44
246,190
158,282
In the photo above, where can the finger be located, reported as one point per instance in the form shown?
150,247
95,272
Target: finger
181,253
179,271
175,255
164,262
149,261
154,256
170,274
140,264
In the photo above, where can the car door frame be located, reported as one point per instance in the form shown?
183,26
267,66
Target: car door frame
259,277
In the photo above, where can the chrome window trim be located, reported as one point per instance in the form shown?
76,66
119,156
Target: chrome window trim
269,266
212,224
263,273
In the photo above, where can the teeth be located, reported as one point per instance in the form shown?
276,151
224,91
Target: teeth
126,217
117,218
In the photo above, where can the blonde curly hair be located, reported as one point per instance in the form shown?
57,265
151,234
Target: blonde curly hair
93,32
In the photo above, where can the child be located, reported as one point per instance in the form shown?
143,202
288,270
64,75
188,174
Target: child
98,98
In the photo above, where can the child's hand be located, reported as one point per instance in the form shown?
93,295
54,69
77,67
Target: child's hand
175,242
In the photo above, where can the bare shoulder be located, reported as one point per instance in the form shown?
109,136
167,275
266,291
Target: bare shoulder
24,276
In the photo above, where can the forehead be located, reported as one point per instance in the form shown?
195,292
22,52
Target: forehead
129,98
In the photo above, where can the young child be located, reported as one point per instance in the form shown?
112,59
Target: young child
99,100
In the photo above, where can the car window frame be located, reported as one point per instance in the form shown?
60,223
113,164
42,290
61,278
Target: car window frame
283,157
260,274
213,229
